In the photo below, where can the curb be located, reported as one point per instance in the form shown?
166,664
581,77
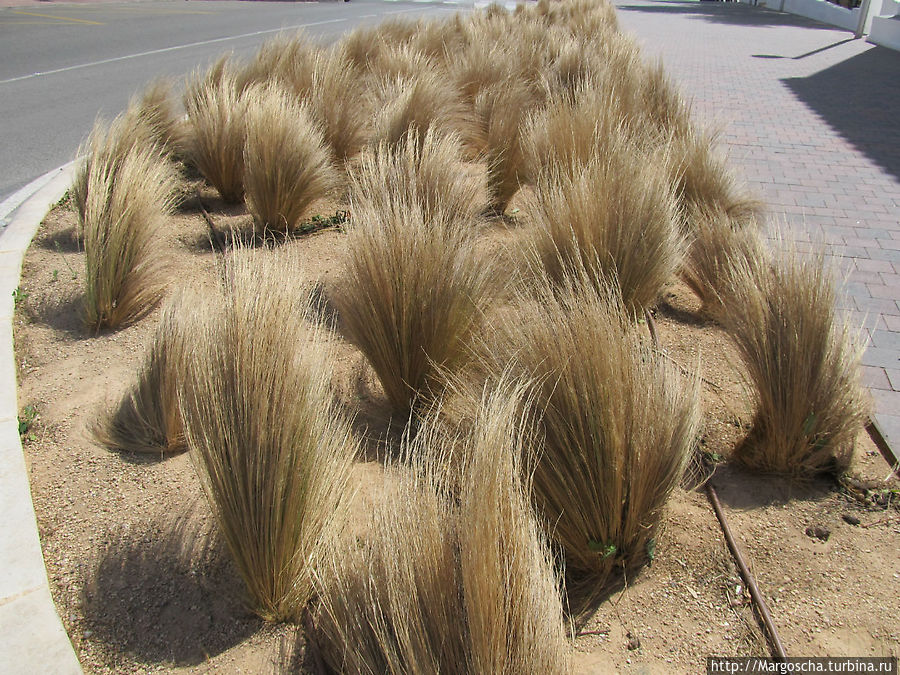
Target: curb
32,637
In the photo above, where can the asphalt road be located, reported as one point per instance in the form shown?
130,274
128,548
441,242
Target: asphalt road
63,65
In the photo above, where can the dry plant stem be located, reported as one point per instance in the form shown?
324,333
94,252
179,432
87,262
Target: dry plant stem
877,436
272,450
216,238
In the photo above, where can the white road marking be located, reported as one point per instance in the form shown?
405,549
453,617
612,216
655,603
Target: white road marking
170,49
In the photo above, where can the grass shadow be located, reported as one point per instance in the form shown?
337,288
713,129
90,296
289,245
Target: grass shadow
167,595
744,490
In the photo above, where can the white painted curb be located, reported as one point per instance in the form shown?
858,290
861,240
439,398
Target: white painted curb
32,637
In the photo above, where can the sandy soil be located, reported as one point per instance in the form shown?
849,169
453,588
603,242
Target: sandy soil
140,589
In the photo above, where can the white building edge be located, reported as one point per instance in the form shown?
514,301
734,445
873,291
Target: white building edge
878,19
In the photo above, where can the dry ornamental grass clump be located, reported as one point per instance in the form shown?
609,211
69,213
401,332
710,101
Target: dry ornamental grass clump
128,199
430,171
106,147
147,418
801,363
717,245
618,426
216,130
287,165
501,111
338,102
444,584
422,101
271,447
413,292
615,217
573,128
703,180
286,59
154,108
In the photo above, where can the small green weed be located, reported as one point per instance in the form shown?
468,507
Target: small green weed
317,222
20,295
26,419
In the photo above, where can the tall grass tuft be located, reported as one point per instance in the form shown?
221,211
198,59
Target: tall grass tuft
500,111
339,104
149,121
716,246
216,130
425,100
431,171
272,450
511,594
287,165
154,108
618,427
438,587
107,145
147,419
573,128
288,59
801,363
703,180
412,294
128,199
615,217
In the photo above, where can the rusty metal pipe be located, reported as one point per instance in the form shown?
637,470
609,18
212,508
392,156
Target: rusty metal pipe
651,326
758,600
881,443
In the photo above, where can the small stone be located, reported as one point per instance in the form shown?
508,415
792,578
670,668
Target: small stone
633,642
850,519
819,532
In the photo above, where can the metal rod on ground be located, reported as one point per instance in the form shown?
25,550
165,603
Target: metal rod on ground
757,597
881,443
651,326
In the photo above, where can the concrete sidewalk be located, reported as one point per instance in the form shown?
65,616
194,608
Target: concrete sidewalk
809,117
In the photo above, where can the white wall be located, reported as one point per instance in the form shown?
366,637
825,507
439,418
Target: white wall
820,10
886,31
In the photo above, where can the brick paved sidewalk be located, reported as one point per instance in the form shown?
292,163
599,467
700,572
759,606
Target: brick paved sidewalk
811,118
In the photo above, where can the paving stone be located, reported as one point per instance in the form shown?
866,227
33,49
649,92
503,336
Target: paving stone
893,376
874,377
